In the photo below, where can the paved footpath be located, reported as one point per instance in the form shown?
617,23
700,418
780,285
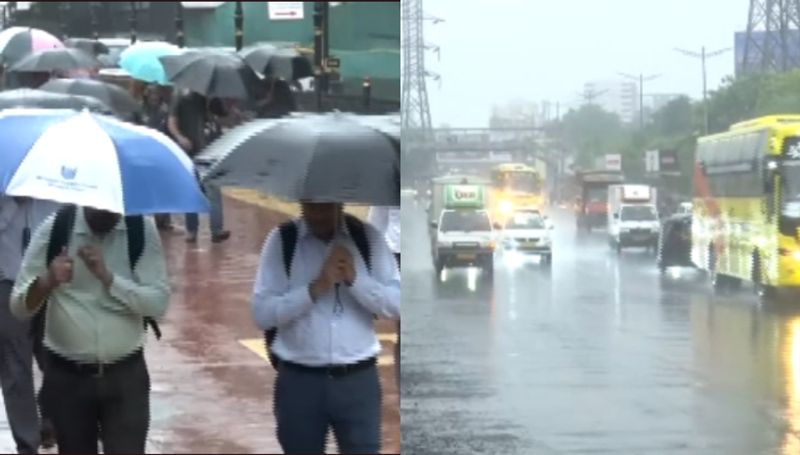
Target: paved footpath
211,380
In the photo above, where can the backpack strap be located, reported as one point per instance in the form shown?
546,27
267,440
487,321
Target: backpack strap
288,235
60,233
359,234
135,230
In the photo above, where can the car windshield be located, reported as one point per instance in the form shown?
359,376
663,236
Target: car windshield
597,195
638,213
466,221
525,221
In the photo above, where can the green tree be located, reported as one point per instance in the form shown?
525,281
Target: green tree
591,132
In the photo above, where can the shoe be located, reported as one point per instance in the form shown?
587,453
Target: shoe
48,435
221,237
191,238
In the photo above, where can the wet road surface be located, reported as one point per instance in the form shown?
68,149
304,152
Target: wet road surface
600,355
211,382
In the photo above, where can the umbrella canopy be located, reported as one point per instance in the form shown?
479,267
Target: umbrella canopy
88,45
320,158
115,97
32,98
17,42
65,59
141,61
281,62
95,161
213,74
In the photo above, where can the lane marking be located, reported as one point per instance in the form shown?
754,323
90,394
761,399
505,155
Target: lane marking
256,346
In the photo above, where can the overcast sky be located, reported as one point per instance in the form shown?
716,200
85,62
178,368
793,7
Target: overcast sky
497,51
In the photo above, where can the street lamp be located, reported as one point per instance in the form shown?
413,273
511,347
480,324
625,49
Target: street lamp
703,56
641,79
238,20
179,36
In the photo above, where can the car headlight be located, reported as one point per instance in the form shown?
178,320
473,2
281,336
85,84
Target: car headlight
506,207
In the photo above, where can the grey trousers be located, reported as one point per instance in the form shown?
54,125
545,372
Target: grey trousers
308,404
16,376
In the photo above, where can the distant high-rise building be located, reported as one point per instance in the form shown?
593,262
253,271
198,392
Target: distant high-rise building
618,96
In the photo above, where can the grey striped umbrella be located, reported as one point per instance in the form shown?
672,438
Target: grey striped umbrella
64,59
18,42
320,158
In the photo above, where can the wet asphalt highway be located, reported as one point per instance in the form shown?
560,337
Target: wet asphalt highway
599,355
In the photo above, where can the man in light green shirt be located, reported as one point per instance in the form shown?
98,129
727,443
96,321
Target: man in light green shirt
96,374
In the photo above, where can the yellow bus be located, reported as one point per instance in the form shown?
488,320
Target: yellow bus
746,211
516,187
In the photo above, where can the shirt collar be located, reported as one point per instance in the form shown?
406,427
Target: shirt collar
303,231
82,228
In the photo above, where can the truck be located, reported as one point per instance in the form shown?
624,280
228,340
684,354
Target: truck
633,217
462,232
591,205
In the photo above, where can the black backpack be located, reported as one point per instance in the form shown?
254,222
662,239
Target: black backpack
59,238
288,233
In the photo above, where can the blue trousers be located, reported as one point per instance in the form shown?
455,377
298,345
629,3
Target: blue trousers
215,216
307,404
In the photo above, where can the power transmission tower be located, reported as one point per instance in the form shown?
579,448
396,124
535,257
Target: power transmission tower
415,111
773,36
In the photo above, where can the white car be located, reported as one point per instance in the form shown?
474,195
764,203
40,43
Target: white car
529,232
464,238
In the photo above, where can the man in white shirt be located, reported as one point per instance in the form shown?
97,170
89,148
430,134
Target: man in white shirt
387,221
324,311
18,218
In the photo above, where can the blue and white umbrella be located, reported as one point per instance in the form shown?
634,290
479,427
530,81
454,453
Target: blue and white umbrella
95,161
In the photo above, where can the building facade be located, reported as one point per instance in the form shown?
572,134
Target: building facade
618,96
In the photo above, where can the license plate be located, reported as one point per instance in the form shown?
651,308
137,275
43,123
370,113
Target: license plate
466,256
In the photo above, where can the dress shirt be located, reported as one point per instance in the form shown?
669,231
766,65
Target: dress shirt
14,218
387,221
86,322
317,333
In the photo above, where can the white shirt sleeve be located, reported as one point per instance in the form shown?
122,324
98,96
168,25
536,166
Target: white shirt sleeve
379,292
275,302
379,217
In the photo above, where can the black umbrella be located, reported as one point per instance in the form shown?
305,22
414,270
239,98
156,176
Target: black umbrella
111,95
281,62
32,98
320,158
65,59
213,74
88,45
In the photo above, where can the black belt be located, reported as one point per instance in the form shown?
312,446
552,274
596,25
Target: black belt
334,371
97,369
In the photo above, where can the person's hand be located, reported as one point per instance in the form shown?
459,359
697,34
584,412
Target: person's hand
60,270
344,262
93,258
330,275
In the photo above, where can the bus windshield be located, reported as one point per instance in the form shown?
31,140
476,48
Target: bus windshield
791,187
525,182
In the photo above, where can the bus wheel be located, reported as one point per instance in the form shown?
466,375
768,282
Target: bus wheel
763,291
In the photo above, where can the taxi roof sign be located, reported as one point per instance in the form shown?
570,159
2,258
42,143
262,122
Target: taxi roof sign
464,196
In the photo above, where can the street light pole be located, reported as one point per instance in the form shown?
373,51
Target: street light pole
318,50
180,38
93,17
703,56
134,22
641,79
238,20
